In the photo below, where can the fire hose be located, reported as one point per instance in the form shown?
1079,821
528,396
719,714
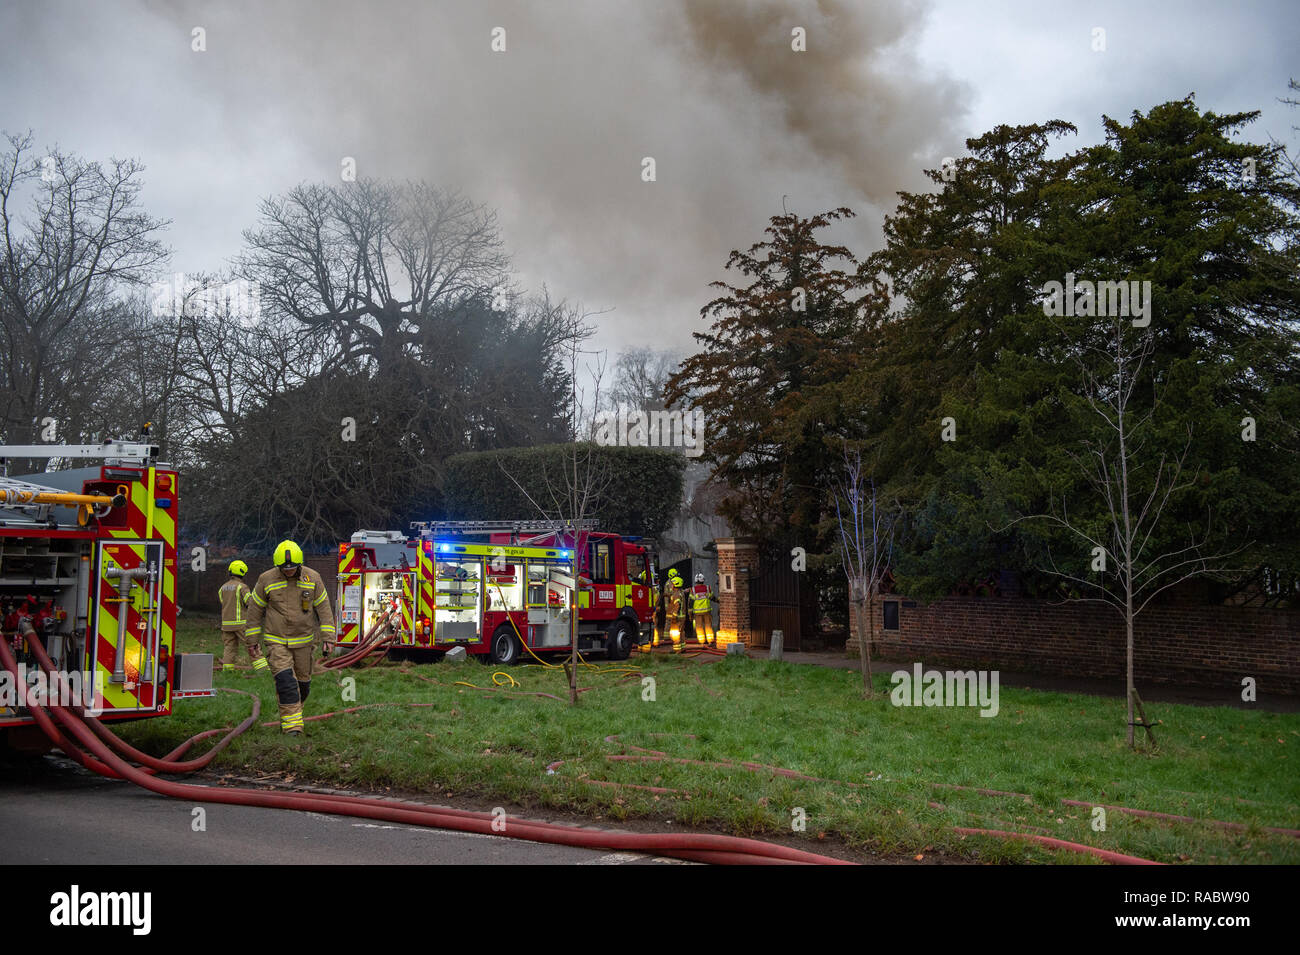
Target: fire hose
96,755
85,745
371,643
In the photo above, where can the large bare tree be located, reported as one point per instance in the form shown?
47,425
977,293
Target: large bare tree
71,236
380,265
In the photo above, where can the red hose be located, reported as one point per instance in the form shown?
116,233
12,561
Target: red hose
167,764
1150,814
700,847
1115,858
369,644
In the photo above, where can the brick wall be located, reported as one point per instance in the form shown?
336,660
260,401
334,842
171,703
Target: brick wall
1194,645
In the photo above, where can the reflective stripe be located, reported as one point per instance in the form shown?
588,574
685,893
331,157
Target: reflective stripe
261,601
253,631
327,628
289,641
269,587
260,664
319,600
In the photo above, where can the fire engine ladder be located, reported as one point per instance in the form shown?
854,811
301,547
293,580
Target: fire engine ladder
113,452
515,528
20,494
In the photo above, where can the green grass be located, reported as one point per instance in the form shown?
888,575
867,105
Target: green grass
1047,746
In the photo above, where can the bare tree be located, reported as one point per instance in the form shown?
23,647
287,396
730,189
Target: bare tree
378,264
640,377
60,266
867,530
568,498
1288,160
1137,486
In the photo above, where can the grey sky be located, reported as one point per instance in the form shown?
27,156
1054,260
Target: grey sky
552,132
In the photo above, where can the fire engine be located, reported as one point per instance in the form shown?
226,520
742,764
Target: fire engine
88,566
486,586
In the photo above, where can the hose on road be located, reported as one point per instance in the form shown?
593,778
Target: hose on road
86,746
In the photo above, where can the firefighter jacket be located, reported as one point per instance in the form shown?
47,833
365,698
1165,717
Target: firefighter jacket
701,598
234,594
287,610
674,602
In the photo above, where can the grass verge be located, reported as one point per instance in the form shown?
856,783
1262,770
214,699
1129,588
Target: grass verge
1212,763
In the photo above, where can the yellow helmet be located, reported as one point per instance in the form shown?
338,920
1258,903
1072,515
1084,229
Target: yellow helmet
238,568
287,554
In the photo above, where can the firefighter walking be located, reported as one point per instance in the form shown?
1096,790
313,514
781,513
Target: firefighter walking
289,603
234,594
702,601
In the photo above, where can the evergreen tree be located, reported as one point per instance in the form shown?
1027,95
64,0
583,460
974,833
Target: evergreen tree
774,342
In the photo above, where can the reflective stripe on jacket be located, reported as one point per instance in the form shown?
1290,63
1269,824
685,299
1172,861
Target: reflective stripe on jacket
234,594
289,610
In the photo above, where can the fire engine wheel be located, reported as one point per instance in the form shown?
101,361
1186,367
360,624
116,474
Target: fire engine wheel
619,640
505,647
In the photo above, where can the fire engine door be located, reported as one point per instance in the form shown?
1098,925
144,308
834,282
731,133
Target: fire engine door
638,593
125,622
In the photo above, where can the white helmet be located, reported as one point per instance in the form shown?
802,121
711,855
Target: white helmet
699,578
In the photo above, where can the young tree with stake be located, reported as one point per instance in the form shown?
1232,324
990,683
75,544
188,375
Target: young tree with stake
1134,555
866,548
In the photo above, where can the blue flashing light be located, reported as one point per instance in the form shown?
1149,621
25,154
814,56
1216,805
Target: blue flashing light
442,547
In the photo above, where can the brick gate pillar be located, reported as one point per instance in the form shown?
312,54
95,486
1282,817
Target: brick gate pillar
737,562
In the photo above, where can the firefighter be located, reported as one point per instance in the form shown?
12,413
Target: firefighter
234,595
288,605
659,625
702,601
675,610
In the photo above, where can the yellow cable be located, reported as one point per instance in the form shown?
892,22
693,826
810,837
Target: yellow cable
582,664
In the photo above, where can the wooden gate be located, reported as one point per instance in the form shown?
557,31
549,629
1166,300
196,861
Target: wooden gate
779,599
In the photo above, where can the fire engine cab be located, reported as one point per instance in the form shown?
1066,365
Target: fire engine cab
88,567
495,587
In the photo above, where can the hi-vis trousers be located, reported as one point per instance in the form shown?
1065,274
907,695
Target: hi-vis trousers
291,667
703,620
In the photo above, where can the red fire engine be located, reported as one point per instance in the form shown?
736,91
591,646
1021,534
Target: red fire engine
495,587
88,566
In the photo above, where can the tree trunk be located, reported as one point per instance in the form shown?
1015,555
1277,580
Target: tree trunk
573,635
1128,666
864,643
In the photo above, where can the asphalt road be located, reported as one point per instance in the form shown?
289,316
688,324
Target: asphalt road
56,814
